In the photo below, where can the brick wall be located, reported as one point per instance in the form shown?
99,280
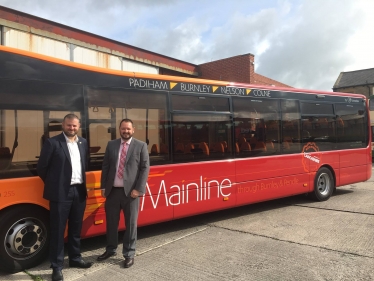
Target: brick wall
364,90
236,69
263,80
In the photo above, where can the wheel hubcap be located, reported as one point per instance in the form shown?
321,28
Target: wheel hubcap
25,238
324,184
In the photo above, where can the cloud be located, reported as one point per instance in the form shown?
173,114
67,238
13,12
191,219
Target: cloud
312,51
298,42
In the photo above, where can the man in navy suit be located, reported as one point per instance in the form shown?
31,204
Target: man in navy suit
62,166
123,179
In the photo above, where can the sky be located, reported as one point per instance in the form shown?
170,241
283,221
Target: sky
302,43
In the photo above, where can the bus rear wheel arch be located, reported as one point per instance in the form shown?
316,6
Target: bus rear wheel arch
24,237
324,184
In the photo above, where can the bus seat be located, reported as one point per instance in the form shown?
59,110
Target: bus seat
204,148
260,145
340,122
179,148
245,146
164,149
188,148
94,149
236,147
218,147
154,149
5,158
241,140
225,146
269,145
287,139
286,145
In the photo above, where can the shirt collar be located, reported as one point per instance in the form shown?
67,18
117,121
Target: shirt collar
68,140
128,142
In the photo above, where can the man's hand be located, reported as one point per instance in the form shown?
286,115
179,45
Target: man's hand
103,193
135,193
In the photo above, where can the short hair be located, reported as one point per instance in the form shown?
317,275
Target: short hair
71,116
126,120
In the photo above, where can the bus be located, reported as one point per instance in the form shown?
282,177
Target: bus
213,145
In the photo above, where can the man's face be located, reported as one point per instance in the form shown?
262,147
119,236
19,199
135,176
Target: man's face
70,127
126,130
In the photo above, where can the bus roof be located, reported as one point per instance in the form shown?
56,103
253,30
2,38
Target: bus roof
169,78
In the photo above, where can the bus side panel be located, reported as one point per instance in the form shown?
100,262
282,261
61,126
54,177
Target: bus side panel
22,190
197,187
155,208
353,166
268,178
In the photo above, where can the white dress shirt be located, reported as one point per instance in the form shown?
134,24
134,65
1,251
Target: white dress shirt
75,156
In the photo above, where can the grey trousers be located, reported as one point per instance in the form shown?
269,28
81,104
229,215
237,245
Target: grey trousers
115,202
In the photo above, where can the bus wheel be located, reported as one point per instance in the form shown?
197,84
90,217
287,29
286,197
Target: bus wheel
24,237
323,185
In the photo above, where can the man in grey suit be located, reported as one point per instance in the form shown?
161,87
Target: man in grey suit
124,177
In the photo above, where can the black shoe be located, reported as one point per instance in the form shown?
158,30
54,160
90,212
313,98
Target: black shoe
106,255
57,275
128,262
80,264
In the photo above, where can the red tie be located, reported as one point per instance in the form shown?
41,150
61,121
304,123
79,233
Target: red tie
122,160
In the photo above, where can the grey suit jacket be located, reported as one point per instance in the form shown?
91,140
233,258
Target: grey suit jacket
136,166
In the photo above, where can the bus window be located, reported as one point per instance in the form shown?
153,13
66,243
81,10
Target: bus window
318,124
148,111
23,133
198,137
291,133
257,131
351,128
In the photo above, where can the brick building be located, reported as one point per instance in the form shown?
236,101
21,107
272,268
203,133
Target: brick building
358,82
31,33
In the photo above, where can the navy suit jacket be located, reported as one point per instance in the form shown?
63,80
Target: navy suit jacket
55,169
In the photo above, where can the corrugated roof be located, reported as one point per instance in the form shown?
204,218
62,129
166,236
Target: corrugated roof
355,78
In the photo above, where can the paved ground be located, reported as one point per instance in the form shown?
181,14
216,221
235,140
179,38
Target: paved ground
287,239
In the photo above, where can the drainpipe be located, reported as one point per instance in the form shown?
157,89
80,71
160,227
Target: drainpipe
2,39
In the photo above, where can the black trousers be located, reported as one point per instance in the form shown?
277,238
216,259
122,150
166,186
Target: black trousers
70,211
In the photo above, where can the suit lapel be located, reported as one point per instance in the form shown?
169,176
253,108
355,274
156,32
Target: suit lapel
130,150
82,152
116,150
64,146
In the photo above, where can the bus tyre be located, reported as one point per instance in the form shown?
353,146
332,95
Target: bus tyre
24,236
324,185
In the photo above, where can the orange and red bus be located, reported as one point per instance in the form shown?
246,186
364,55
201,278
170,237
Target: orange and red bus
212,144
